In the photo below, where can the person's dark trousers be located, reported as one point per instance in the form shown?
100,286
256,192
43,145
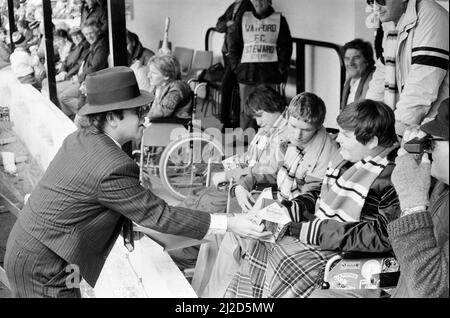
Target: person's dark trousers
33,270
229,83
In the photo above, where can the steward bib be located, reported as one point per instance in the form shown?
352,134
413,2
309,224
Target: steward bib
260,38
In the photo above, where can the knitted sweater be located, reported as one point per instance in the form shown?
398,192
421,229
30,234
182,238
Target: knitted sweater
420,243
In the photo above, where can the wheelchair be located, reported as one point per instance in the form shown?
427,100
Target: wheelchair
188,152
361,270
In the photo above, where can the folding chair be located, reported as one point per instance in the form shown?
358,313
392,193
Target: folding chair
202,61
184,57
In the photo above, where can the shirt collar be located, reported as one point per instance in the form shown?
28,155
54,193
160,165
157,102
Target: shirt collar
115,141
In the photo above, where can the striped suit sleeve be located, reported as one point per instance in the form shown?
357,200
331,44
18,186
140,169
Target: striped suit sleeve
121,192
429,67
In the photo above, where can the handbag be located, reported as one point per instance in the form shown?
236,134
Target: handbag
212,74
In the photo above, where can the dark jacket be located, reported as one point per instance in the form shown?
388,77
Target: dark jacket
75,58
97,13
4,54
221,25
370,233
139,53
420,243
78,207
96,59
254,73
361,91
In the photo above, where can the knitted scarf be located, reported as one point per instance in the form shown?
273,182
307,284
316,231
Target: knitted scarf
262,141
342,196
297,164
390,86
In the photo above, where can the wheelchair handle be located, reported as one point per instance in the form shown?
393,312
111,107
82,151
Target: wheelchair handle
330,262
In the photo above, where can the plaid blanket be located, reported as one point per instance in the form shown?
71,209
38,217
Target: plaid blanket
291,267
287,269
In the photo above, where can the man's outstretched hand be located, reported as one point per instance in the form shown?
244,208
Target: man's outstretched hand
245,225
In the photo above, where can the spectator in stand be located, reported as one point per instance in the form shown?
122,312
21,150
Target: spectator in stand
64,45
24,29
69,69
412,75
5,52
138,58
419,237
76,56
96,59
262,30
95,10
21,64
39,65
226,24
359,68
36,39
172,95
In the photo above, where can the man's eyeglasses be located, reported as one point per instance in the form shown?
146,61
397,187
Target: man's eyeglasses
379,2
142,111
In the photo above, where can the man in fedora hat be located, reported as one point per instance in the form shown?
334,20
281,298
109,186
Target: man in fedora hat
75,213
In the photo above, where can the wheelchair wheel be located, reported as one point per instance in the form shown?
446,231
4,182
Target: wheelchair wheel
184,162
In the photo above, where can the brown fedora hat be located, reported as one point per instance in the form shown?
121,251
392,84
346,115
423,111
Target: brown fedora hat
111,89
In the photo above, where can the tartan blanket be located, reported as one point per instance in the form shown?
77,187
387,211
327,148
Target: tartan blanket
287,269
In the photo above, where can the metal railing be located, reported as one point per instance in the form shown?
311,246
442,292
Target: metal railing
300,61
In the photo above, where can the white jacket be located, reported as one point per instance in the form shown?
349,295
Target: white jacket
21,62
422,62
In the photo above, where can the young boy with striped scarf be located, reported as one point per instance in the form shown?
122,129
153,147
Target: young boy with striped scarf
303,167
350,212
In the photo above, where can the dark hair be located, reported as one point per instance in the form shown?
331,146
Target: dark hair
90,23
308,107
62,34
23,23
96,122
367,119
265,98
364,47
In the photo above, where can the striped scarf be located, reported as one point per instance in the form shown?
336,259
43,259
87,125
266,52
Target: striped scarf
263,141
297,164
342,197
391,95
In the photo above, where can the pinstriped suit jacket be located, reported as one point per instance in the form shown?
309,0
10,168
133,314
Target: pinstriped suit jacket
79,205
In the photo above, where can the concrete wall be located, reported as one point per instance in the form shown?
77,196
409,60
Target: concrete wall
37,121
